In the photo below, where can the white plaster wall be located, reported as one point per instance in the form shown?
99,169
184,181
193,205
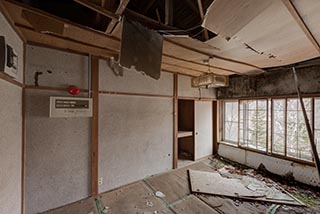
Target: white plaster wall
67,68
185,89
134,82
57,155
136,138
303,173
11,147
15,42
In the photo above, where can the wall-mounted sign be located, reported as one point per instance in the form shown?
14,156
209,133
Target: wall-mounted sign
70,107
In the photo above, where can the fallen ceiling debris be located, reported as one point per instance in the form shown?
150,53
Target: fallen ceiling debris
244,187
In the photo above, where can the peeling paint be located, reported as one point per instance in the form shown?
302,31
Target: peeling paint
251,48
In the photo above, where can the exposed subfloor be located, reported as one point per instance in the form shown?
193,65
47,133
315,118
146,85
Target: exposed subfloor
170,193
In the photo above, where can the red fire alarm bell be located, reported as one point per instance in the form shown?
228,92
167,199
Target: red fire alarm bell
73,90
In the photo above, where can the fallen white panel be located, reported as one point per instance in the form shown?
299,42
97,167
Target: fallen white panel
215,184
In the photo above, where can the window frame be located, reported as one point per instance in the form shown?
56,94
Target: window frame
267,122
234,143
269,128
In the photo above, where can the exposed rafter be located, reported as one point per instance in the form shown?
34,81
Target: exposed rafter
295,14
206,34
97,8
122,6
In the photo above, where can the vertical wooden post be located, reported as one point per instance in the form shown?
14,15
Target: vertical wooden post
310,133
95,125
215,127
175,121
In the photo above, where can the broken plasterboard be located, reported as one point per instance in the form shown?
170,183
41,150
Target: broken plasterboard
246,188
141,49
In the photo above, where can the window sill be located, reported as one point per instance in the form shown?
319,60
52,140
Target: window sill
293,160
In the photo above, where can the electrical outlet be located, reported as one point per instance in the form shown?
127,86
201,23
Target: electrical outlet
100,181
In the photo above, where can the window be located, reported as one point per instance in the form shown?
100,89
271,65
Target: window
298,144
278,134
253,124
277,127
230,123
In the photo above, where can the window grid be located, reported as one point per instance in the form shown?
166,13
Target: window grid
295,151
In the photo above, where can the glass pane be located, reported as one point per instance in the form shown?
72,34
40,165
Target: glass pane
230,130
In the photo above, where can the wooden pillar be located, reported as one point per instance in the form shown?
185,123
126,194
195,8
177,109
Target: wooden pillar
175,121
306,120
95,125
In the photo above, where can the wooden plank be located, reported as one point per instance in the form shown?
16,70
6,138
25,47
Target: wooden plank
122,6
175,184
185,134
297,17
168,12
95,126
97,9
206,34
192,52
65,44
175,121
308,126
10,80
43,24
7,15
192,205
84,206
131,199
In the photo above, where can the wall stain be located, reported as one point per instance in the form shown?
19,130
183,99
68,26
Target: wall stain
36,78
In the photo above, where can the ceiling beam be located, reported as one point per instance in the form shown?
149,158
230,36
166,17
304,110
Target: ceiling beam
168,12
148,22
297,17
122,6
213,55
192,6
206,34
97,9
149,5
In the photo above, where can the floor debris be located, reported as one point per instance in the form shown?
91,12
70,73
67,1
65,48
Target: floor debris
160,194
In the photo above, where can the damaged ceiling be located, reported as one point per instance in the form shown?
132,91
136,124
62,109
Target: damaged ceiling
199,36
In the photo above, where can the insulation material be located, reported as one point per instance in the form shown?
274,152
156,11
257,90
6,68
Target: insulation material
141,48
269,31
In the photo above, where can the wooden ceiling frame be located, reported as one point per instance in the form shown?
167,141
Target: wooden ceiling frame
205,33
73,41
97,9
299,20
122,6
214,56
